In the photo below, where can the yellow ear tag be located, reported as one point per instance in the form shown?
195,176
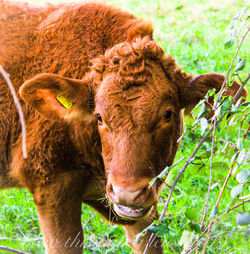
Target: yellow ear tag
64,101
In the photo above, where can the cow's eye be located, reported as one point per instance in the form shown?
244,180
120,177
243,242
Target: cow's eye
167,116
99,119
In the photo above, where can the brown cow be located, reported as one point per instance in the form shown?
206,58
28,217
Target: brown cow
96,128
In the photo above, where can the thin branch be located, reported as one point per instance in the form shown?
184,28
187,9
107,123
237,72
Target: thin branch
211,174
225,182
221,234
228,232
236,206
222,116
19,109
175,182
217,203
21,240
246,132
200,143
12,250
241,88
88,221
207,238
229,70
204,232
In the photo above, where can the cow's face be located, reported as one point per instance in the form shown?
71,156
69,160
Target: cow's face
138,114
136,95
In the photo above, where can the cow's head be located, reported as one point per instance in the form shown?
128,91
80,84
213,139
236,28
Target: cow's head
136,94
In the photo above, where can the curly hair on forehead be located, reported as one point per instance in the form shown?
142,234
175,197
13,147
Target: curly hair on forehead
131,62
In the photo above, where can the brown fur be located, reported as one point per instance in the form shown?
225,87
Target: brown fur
105,62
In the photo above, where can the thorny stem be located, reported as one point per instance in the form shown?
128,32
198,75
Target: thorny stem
241,88
185,166
241,124
175,182
211,175
215,107
217,203
229,71
207,238
225,182
204,232
246,132
12,250
223,233
202,141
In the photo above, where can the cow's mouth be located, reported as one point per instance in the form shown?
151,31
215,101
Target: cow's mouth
131,213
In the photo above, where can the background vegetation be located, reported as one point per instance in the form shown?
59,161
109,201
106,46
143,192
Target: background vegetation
194,32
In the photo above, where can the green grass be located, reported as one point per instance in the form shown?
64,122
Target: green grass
194,32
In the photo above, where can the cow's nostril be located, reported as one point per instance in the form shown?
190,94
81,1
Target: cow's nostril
110,189
142,193
128,197
112,193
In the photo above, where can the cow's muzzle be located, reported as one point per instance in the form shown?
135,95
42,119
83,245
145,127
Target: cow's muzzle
130,202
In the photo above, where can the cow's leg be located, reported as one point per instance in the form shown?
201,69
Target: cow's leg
139,247
59,211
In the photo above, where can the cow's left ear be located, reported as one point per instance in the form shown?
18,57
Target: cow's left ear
192,90
58,98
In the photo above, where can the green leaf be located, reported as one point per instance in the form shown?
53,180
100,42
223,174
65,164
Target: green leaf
232,121
162,175
191,214
243,219
210,93
234,156
234,21
235,170
139,235
239,144
226,103
245,104
243,11
247,233
203,112
215,185
237,15
229,43
236,191
217,112
186,239
204,124
242,176
213,212
234,109
241,65
221,165
245,197
159,227
242,157
195,227
179,7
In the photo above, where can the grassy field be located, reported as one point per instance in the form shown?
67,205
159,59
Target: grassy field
194,32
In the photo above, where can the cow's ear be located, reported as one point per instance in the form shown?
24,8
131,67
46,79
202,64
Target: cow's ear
57,97
192,90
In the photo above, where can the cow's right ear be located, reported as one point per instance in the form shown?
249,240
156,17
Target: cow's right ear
57,97
192,90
